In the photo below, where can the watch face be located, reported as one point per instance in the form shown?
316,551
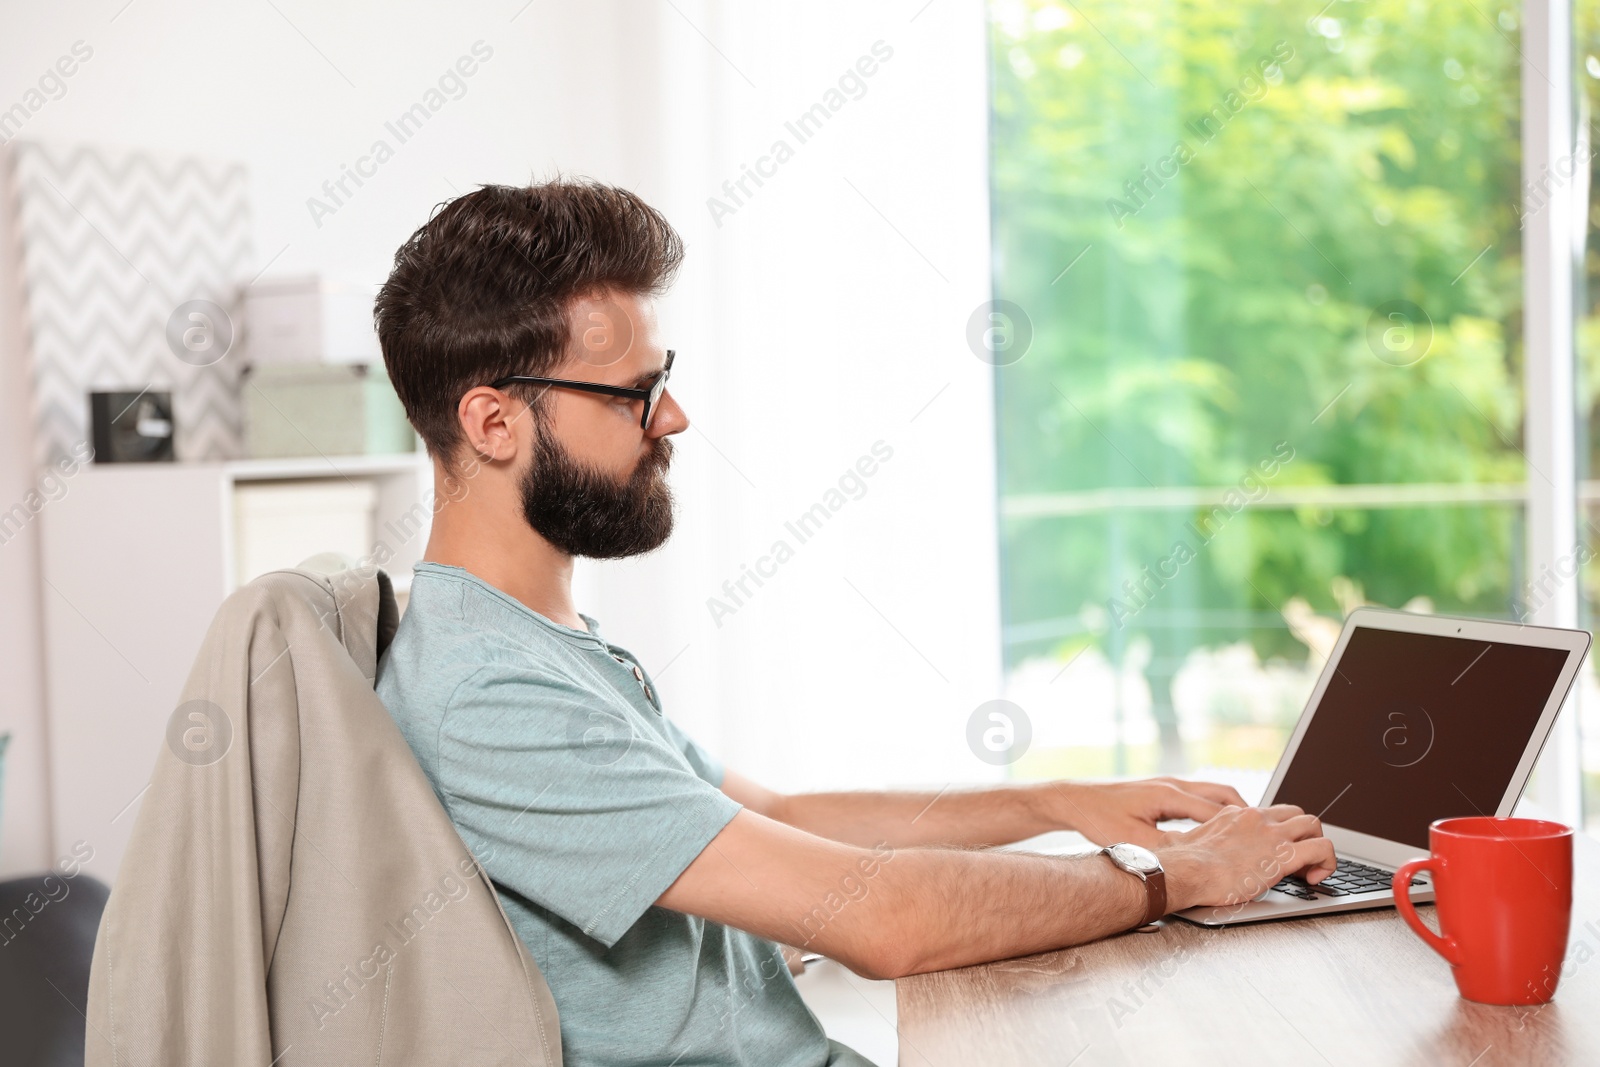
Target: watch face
1134,857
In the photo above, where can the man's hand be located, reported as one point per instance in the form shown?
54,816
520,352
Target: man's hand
1109,812
1241,852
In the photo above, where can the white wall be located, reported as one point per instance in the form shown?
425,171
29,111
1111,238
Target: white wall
25,825
811,329
808,327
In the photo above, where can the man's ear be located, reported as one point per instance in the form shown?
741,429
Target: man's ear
489,421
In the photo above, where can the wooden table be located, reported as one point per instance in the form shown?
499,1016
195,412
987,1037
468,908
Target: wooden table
1353,989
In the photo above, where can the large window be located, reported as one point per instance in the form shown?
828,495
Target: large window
1261,283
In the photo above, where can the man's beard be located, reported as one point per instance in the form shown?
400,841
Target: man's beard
585,512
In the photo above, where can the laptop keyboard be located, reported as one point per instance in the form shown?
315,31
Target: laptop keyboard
1350,879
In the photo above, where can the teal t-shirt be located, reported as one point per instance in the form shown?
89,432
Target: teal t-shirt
548,748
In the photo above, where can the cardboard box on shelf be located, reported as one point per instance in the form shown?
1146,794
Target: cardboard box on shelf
310,320
317,410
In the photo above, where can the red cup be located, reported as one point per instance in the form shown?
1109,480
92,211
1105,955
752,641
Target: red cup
1503,896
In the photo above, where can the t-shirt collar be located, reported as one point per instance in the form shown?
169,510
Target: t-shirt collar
591,636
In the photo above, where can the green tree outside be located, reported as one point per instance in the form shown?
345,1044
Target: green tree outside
1238,229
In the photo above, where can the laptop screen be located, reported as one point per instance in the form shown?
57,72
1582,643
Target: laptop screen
1418,727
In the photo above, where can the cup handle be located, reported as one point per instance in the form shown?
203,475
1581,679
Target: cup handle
1443,945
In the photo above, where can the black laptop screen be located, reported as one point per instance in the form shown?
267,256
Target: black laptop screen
1417,727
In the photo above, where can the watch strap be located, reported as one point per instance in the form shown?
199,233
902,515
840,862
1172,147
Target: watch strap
1155,887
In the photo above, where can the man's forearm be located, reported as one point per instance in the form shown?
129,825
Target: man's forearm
887,912
965,818
939,909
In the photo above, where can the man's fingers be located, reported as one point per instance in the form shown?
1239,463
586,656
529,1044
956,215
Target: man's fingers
1313,859
1214,792
1280,812
1300,827
1178,803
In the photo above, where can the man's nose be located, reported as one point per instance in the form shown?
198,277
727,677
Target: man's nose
668,419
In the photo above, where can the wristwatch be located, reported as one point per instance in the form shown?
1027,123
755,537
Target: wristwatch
1142,863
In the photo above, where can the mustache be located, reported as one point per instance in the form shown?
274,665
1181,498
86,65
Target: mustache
657,460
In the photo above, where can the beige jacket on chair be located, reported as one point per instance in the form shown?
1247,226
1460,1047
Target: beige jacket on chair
294,894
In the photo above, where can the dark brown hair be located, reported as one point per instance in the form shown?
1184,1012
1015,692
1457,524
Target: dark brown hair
483,289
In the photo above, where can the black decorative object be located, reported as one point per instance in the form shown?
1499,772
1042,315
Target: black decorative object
132,427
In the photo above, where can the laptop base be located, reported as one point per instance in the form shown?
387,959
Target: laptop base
1275,905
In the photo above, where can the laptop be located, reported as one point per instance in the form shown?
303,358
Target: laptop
1415,718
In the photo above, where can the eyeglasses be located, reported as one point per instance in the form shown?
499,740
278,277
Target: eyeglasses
650,395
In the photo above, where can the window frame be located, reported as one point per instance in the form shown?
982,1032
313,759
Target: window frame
1550,427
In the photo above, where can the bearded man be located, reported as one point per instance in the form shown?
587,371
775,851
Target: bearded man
649,883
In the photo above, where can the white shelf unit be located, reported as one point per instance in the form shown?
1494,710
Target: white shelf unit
135,560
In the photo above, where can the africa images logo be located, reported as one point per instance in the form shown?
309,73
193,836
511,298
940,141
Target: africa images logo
1403,733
